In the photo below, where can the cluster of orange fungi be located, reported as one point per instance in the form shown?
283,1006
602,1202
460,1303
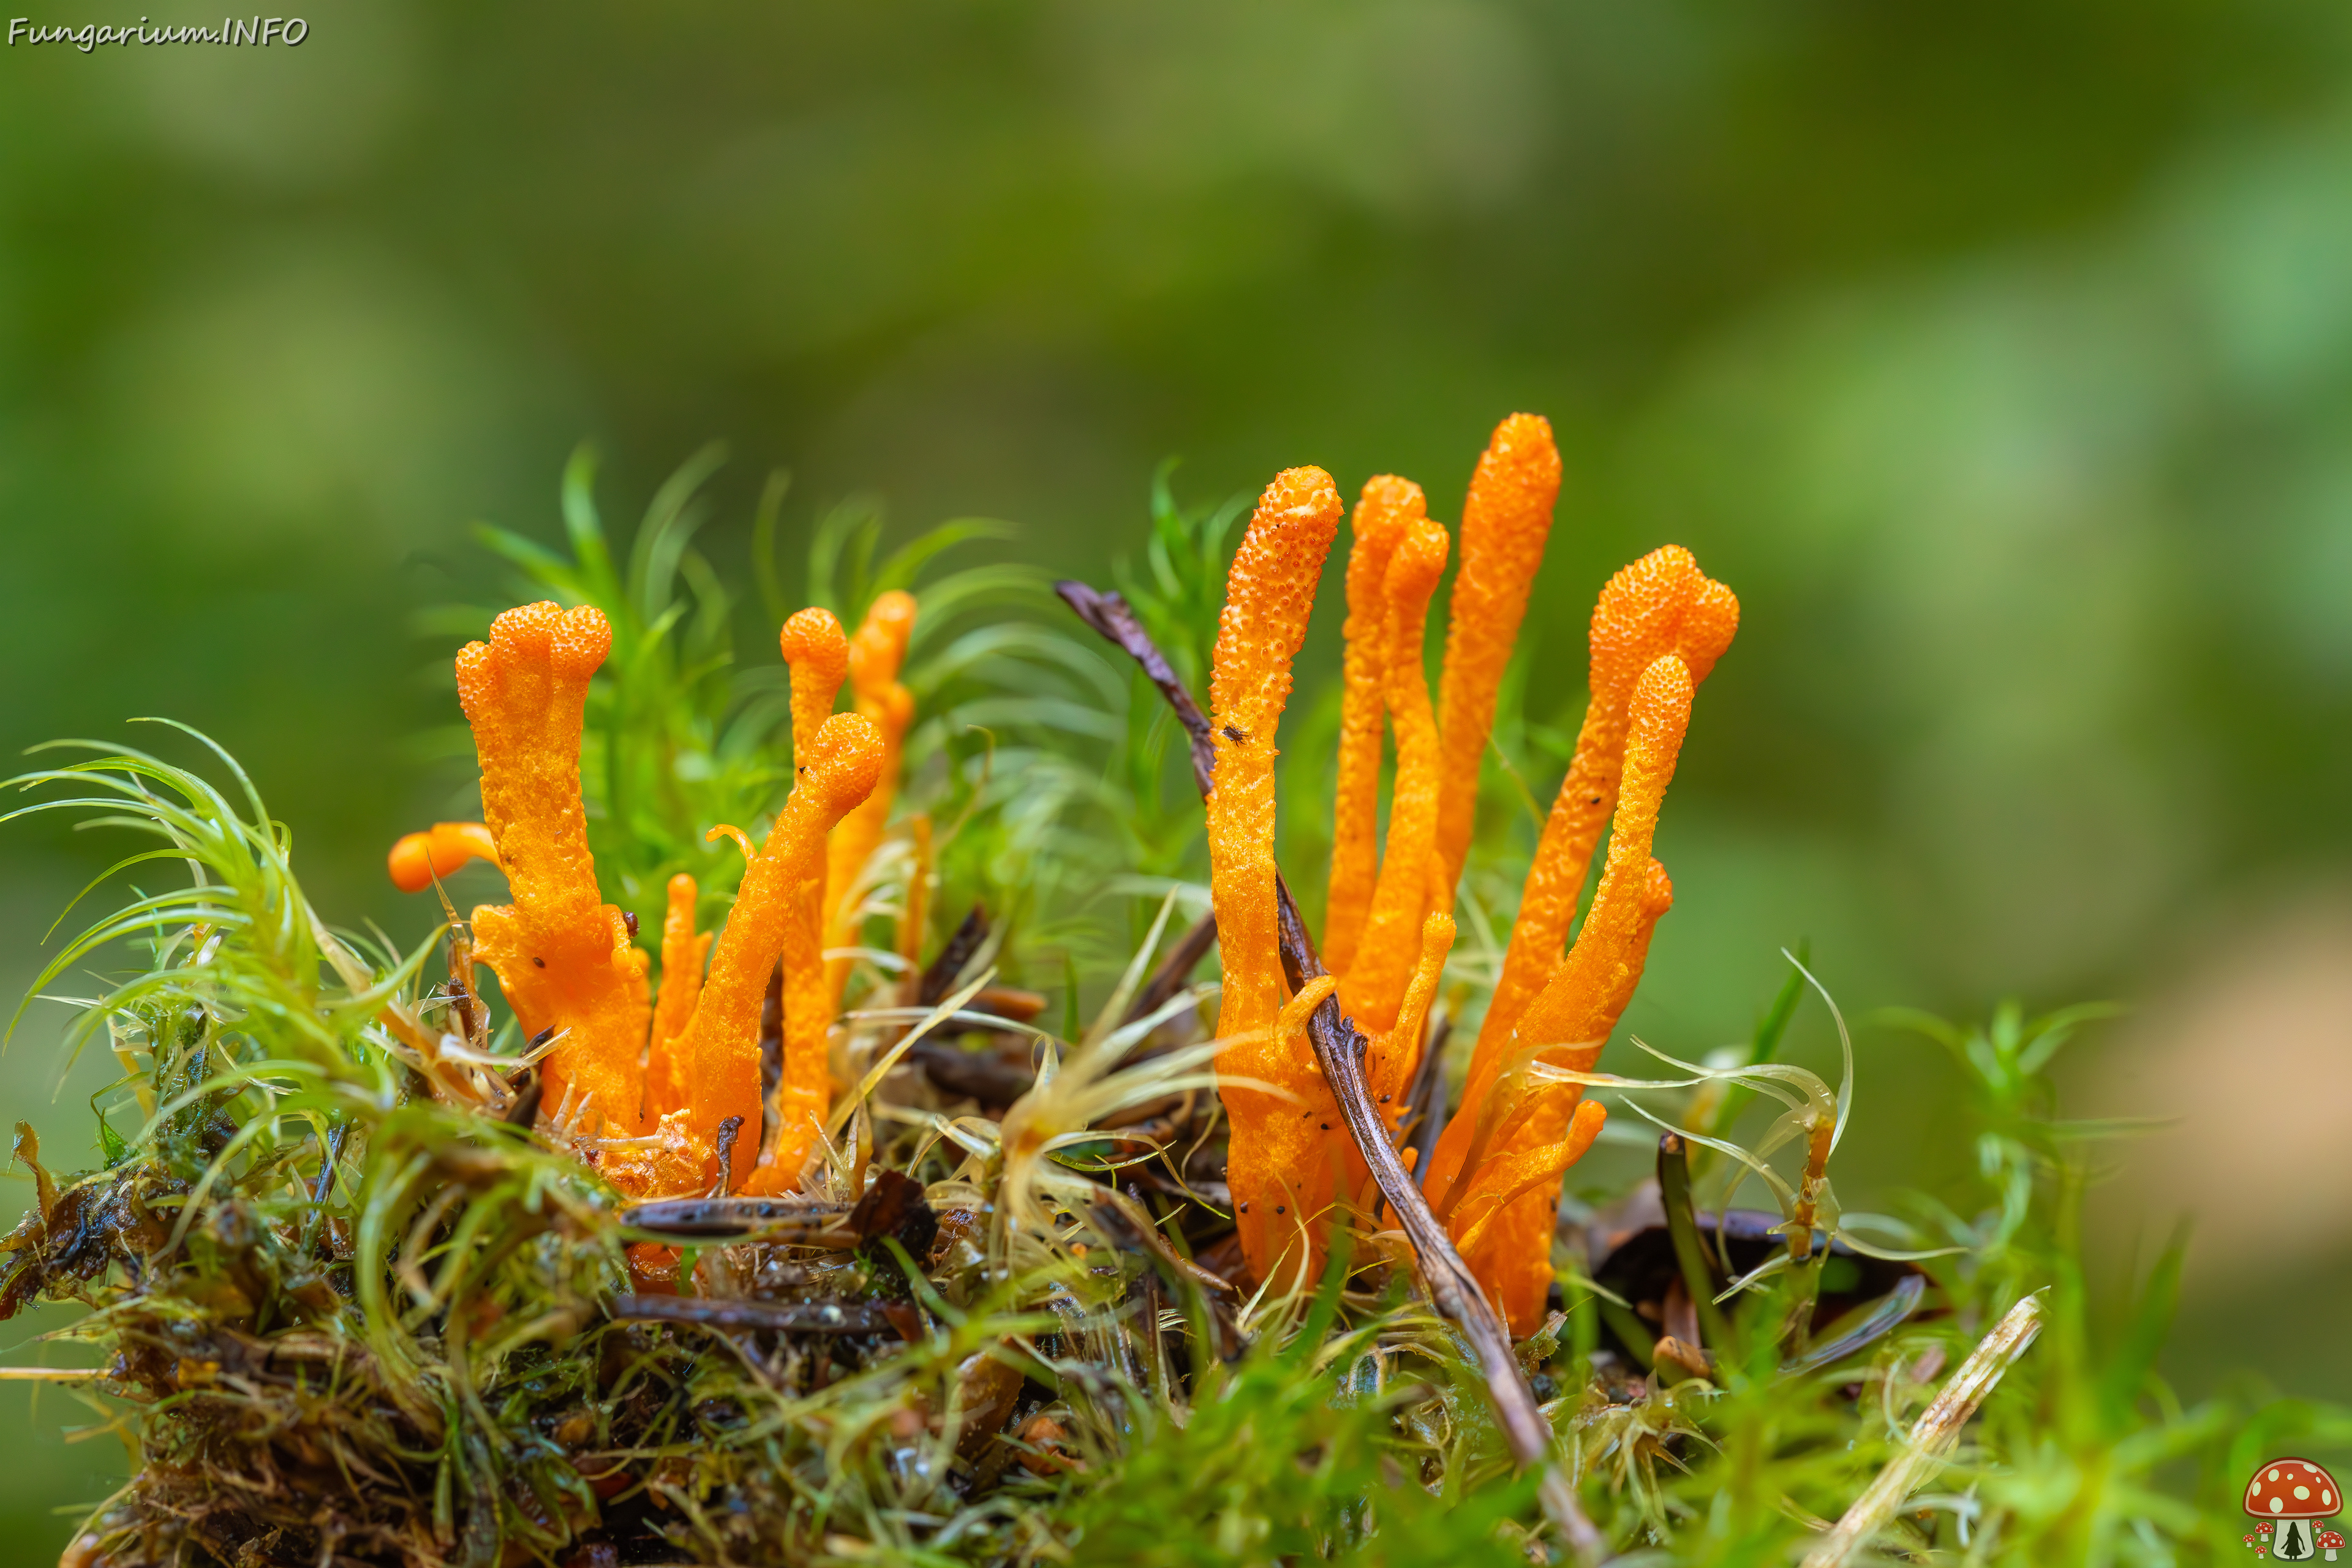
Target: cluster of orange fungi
665,1072
657,1075
1496,1171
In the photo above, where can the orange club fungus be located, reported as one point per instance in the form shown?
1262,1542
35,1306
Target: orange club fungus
656,1081
1496,1171
561,953
770,924
1279,1163
875,656
1387,507
667,1078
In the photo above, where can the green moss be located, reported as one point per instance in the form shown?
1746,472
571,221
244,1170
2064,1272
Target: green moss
350,1316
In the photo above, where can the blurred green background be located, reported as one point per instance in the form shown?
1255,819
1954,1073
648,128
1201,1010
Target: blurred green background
1998,355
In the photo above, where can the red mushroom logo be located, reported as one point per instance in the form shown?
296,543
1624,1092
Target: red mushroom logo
2291,1496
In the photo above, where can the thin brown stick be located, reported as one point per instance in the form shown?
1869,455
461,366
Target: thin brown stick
962,942
1110,615
733,1219
1175,970
798,1317
1339,1050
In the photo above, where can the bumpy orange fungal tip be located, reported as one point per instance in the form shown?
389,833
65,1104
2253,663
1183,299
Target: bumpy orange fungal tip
437,851
683,955
1375,983
771,922
875,656
1661,603
1709,625
1276,1163
880,649
1505,522
562,954
1387,507
817,654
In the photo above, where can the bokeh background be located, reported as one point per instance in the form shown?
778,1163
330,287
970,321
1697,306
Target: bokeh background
1999,355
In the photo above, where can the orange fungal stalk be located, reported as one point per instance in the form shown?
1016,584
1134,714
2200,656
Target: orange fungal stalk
1480,1171
875,654
683,955
1277,1165
915,914
1505,522
1392,1056
1395,1053
771,922
1493,1177
1387,507
664,1077
561,953
1375,985
1661,603
817,653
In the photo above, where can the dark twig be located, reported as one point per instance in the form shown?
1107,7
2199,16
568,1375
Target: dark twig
803,1317
733,1219
1424,1100
523,1111
329,1156
729,1130
1175,970
940,977
1110,615
1339,1050
772,1054
894,1208
976,1075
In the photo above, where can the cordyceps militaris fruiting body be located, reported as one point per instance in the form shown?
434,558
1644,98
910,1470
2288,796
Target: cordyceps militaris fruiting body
1495,1172
660,1087
659,1080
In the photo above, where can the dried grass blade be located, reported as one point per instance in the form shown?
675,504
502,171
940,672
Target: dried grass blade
1932,1435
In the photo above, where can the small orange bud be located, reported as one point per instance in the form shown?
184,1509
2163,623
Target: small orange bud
437,851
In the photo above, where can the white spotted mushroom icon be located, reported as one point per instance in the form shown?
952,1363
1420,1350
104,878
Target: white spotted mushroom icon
2292,1496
